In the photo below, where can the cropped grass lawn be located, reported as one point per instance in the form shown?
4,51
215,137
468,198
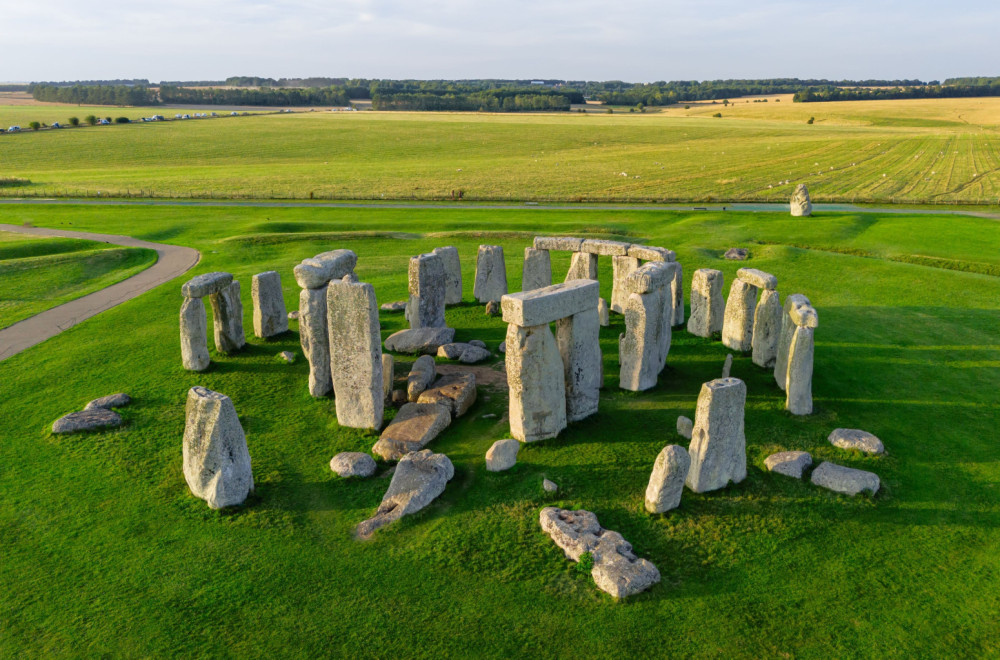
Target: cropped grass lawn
105,551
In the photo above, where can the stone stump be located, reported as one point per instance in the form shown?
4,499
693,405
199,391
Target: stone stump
801,206
270,317
537,271
582,266
452,274
491,274
314,337
428,284
666,483
216,459
718,445
707,306
355,353
621,268
227,322
766,328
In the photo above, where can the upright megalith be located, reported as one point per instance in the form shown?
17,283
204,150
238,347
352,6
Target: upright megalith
194,320
355,353
537,270
227,322
666,483
738,325
793,365
578,338
582,266
313,275
270,317
718,444
766,328
677,295
621,268
535,378
452,273
645,345
801,206
428,284
216,459
491,274
707,306
194,335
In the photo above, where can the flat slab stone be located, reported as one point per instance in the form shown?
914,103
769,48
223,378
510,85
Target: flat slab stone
419,340
398,306
502,455
758,278
353,464
856,439
604,247
206,284
119,400
551,303
845,480
737,254
650,253
563,243
789,463
86,420
456,392
419,478
414,426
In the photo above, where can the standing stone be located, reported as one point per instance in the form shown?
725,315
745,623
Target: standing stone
707,306
315,340
677,291
355,353
718,445
270,317
685,427
388,373
227,322
727,366
666,483
216,459
766,328
425,308
578,337
491,274
535,378
603,317
194,335
639,349
621,268
798,399
785,337
537,271
800,204
452,274
737,328
582,266
422,374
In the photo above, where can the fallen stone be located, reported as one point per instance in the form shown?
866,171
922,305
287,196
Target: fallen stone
422,340
315,340
766,329
287,356
318,271
800,204
87,420
562,243
414,426
452,273
549,486
737,327
582,266
650,253
603,314
399,398
685,427
856,439
551,303
418,479
737,254
604,247
110,401
427,282
537,269
491,274
422,373
473,354
216,459
353,464
845,480
758,278
398,306
206,285
789,463
270,317
666,483
355,354
718,444
502,455
456,392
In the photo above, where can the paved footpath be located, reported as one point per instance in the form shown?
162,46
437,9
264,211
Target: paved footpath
172,261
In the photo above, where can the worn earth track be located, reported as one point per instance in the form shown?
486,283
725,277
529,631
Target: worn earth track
171,261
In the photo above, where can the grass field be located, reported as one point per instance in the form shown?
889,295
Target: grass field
36,274
919,151
105,552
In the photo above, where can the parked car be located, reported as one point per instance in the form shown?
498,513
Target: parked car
233,113
56,125
14,129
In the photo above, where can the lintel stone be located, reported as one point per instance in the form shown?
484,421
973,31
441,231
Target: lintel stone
758,278
551,303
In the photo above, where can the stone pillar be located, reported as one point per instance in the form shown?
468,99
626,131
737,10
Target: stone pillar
621,268
796,300
270,317
535,378
666,483
800,205
718,444
677,294
425,308
537,271
766,328
355,353
388,373
707,307
452,274
644,347
227,322
216,459
578,338
737,327
582,266
798,399
491,274
315,340
194,335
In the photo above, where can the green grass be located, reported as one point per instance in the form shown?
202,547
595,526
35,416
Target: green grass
38,274
105,552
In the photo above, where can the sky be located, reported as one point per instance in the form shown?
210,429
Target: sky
631,40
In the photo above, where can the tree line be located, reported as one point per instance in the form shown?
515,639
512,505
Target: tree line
261,96
823,94
473,102
95,94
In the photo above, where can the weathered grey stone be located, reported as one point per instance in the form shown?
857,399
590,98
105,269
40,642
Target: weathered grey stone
651,253
707,306
491,274
388,374
502,348
502,455
758,278
419,478
421,375
856,439
578,338
318,271
452,273
353,464
685,427
287,356
315,339
604,247
651,276
293,315
617,570
206,285
397,306
737,328
473,354
227,321
493,308
194,335
804,315
355,353
477,342
582,266
562,243
677,291
800,204
785,337
549,486
423,340
86,420
425,308
452,351
537,270
766,329
119,400
603,314
456,392
621,268
399,398
727,366
414,426
737,254
531,308
639,349
789,463
798,395
216,459
844,479
666,483
718,445
535,380
270,317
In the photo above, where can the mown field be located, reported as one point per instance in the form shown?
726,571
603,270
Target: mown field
105,552
940,151
36,274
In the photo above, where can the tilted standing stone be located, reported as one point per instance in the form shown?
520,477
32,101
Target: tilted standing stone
425,308
718,444
798,395
315,340
666,483
766,328
796,300
355,353
491,274
194,335
270,317
452,273
677,292
582,266
535,378
216,460
227,323
707,306
737,328
801,206
537,271
621,268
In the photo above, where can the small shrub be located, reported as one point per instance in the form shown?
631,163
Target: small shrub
586,564
13,182
610,111
91,119
717,114
687,107
811,120
74,121
122,120
34,125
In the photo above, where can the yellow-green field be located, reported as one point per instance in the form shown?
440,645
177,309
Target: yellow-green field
909,151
